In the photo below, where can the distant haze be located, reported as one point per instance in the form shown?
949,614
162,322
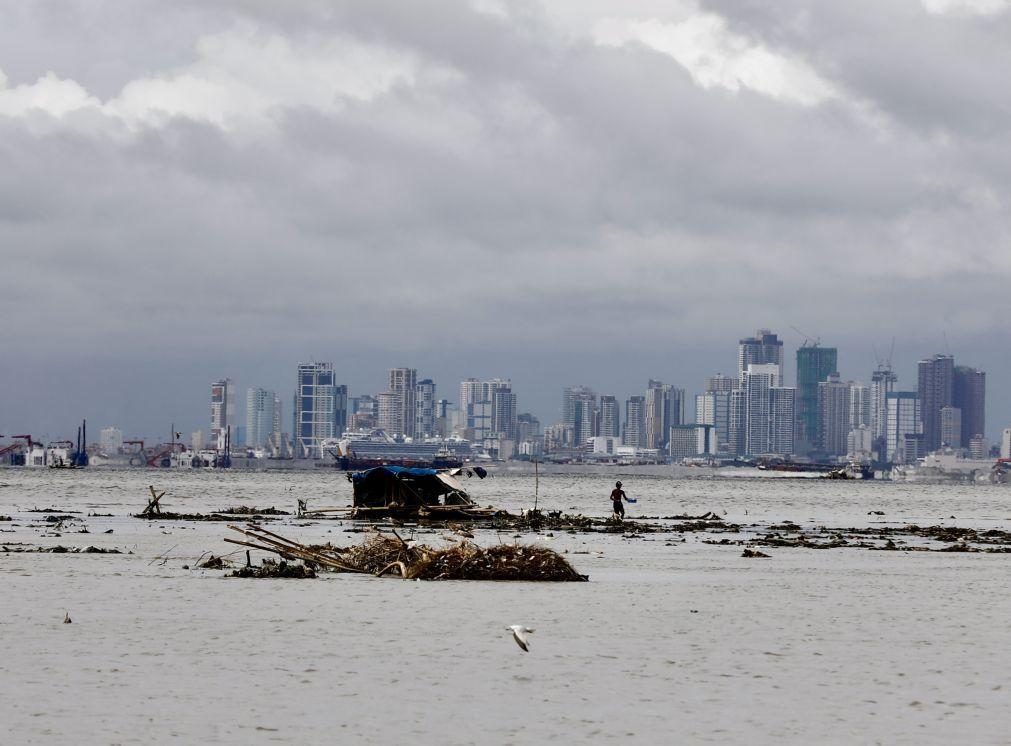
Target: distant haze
557,193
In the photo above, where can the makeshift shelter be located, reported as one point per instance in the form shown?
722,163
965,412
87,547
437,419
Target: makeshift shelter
401,491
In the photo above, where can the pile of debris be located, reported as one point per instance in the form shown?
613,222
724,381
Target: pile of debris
382,554
153,511
271,569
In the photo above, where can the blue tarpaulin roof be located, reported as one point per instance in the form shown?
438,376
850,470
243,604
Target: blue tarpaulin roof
396,471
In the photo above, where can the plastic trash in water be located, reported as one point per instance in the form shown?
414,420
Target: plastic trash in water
632,499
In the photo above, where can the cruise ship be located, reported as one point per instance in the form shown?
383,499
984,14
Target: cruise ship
365,449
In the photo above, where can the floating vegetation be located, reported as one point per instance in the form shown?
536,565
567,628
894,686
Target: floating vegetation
58,549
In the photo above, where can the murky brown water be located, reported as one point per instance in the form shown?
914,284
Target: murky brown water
670,642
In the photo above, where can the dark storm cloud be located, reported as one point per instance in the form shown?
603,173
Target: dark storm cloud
274,183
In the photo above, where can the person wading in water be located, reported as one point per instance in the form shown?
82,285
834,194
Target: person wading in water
617,494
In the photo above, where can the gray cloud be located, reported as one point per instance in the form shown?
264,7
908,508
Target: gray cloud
482,194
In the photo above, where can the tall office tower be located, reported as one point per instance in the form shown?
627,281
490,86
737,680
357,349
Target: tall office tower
833,416
762,349
904,431
664,410
951,427
579,406
737,422
969,395
260,417
610,417
479,417
390,413
764,402
721,383
313,415
758,379
402,383
503,411
471,390
936,379
814,364
425,409
713,408
782,419
275,426
222,410
340,410
443,417
860,406
635,422
883,382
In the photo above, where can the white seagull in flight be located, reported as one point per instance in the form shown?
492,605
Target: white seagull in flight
520,635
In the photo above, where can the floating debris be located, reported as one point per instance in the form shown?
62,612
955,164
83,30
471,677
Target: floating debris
382,554
271,569
754,553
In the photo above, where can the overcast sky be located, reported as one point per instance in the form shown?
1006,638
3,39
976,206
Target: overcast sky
559,193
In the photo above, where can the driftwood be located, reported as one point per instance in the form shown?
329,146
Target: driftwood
152,506
382,554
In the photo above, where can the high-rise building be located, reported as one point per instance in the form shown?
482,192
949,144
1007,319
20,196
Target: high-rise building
833,416
860,406
765,402
951,427
782,419
1005,443
969,395
635,422
314,411
883,382
579,411
471,390
722,383
737,422
402,383
426,405
713,408
814,365
610,417
762,349
936,380
664,410
904,427
222,410
261,417
499,392
390,413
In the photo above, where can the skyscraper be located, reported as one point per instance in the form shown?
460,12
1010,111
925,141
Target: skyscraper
883,382
762,349
951,428
425,409
664,410
904,427
814,364
314,411
969,395
503,410
579,408
260,417
222,410
722,383
635,422
390,413
833,415
402,383
765,403
610,418
936,379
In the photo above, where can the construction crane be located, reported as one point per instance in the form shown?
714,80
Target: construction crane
814,341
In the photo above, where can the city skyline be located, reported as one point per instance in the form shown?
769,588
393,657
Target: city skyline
553,193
